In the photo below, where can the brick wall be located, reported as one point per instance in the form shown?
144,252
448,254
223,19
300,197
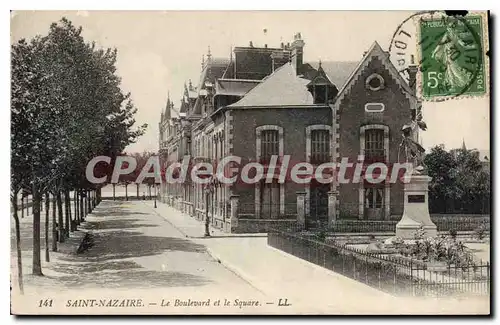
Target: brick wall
353,116
294,122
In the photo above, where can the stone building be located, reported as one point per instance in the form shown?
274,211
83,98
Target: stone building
268,101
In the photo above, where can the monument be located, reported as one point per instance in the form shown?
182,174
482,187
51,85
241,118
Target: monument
416,208
416,199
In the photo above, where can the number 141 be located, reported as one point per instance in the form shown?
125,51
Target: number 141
45,303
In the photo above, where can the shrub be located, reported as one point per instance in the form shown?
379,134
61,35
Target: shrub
420,233
480,232
453,234
439,250
321,236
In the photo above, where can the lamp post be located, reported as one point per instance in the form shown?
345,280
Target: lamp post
209,189
155,195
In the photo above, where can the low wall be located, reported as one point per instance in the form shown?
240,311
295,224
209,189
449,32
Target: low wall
263,225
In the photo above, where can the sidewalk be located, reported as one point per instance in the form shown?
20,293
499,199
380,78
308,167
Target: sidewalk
188,225
309,288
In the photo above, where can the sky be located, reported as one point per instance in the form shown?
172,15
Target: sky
158,51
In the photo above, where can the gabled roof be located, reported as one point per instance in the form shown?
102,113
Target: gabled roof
281,88
374,51
337,71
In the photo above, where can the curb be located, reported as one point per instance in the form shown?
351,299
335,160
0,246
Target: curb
211,228
168,221
238,272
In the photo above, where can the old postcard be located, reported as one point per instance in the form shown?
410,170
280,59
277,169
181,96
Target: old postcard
250,162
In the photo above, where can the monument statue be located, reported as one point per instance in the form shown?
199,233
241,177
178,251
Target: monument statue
409,145
416,185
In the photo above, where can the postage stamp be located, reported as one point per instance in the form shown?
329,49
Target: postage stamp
453,56
242,163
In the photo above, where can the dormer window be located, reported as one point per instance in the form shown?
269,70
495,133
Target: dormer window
322,90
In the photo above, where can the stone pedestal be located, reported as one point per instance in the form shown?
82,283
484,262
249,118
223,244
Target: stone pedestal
301,209
332,208
235,200
416,208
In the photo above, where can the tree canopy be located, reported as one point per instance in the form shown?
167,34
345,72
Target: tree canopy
460,181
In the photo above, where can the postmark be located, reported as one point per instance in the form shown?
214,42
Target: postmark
448,52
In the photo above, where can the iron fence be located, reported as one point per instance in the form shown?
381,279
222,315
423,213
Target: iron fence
370,226
389,273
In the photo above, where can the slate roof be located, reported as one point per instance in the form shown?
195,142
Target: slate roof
337,71
212,70
234,87
281,88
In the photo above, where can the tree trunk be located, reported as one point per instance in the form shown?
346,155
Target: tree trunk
114,186
28,204
70,219
60,222
98,196
67,209
37,262
82,211
78,214
54,224
18,246
47,206
89,200
126,192
22,206
75,209
137,188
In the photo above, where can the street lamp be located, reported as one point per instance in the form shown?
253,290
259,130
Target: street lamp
209,189
155,195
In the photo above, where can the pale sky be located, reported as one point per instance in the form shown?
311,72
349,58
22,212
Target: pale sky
158,51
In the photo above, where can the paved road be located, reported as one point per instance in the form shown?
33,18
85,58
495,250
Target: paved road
134,249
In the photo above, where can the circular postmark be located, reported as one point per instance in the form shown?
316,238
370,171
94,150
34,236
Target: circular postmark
439,55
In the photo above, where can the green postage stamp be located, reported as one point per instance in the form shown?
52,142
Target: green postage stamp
453,56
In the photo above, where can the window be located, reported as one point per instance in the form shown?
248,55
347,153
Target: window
374,107
375,82
320,146
269,144
320,94
374,145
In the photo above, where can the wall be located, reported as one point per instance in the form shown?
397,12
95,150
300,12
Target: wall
294,122
352,116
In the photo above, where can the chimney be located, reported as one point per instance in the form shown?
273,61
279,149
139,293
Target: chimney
297,53
412,73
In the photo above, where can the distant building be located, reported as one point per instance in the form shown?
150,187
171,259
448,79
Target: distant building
267,101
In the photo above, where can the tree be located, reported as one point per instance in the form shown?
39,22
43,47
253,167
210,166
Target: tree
66,107
459,181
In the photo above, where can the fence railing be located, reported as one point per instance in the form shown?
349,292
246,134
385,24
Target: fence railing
369,226
396,275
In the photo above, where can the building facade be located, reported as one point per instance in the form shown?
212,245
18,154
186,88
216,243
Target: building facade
266,102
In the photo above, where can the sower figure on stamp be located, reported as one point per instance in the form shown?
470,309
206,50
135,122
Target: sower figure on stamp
447,51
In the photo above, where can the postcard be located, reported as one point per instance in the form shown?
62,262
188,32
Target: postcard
250,163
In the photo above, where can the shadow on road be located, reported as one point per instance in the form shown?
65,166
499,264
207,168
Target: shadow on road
115,224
